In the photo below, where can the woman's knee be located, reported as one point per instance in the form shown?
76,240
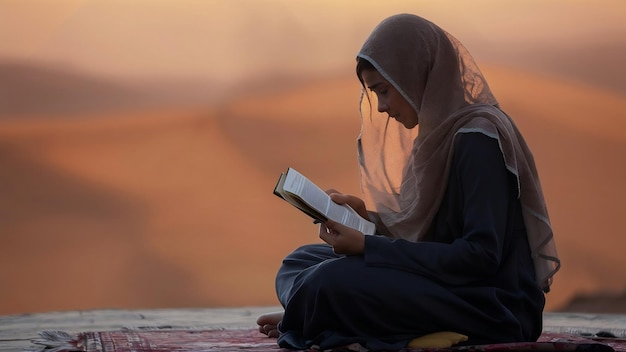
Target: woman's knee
308,255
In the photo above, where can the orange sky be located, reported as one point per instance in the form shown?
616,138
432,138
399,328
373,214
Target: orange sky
226,40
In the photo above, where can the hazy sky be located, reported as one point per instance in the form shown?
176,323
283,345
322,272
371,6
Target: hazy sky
229,39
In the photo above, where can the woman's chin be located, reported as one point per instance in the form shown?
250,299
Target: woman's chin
409,125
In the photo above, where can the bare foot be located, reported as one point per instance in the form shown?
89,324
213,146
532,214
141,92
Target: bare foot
268,323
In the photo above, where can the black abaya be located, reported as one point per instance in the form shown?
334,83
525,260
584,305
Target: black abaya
473,276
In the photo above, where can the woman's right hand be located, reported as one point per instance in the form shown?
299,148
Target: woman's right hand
354,202
343,239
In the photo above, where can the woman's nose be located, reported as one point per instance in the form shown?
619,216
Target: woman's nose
382,106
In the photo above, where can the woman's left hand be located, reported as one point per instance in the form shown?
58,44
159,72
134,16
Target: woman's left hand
343,239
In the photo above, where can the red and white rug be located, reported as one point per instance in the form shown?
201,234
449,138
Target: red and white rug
164,340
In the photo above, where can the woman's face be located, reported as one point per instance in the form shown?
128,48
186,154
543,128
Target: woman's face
389,99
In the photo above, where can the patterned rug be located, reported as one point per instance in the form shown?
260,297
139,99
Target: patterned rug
253,341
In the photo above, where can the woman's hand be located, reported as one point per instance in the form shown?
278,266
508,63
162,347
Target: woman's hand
354,202
343,239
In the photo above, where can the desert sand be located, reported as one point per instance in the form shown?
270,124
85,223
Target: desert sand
173,207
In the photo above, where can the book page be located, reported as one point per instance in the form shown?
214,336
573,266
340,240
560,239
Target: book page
309,192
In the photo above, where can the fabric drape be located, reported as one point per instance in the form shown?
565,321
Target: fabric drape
404,172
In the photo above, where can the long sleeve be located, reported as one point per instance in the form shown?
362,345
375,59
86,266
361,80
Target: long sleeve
472,222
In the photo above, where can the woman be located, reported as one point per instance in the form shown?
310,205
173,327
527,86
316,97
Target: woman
464,244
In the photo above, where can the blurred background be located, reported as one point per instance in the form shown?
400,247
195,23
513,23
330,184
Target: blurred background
140,140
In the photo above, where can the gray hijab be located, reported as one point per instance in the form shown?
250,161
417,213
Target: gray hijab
404,172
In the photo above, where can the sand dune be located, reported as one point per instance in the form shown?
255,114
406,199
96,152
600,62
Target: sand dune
312,127
36,89
158,211
173,208
31,89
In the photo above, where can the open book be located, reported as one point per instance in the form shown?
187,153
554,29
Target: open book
305,195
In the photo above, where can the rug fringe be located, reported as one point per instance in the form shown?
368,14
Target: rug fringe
55,341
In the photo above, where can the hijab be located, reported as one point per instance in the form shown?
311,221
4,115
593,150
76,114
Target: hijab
404,172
